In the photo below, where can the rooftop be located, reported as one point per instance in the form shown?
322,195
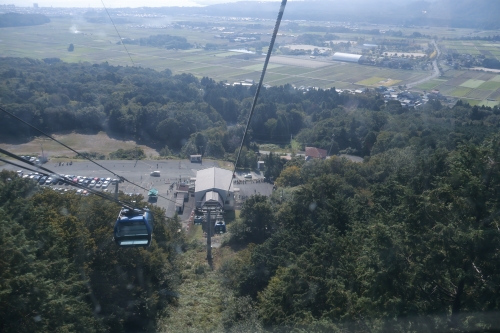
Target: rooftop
315,152
213,178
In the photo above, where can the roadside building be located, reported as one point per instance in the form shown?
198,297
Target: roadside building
313,152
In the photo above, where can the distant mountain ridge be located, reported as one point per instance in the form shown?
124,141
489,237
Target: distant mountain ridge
481,14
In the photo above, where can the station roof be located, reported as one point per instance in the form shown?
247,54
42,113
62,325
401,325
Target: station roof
213,179
212,197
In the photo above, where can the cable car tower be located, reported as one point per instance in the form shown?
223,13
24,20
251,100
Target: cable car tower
213,208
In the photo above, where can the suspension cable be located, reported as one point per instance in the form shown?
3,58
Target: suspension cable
266,62
50,172
121,178
121,40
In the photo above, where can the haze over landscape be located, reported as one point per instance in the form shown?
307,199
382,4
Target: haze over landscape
145,187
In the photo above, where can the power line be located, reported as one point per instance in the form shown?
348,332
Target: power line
121,40
50,172
59,142
79,154
259,86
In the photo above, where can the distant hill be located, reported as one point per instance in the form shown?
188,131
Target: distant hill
19,20
453,13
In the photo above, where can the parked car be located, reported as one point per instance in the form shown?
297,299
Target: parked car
248,176
99,184
105,184
92,183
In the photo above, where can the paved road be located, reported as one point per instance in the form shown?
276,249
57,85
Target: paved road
435,72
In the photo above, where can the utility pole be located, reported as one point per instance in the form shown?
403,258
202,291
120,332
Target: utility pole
43,156
329,150
210,208
209,238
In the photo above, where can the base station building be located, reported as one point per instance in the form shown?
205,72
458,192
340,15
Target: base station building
214,185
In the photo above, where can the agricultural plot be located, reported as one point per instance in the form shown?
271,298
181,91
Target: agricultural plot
430,84
472,83
495,95
298,62
460,92
490,85
479,94
98,43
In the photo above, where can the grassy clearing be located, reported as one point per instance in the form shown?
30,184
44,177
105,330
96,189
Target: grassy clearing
200,297
488,103
99,142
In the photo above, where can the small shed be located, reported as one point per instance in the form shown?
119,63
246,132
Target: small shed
195,158
179,205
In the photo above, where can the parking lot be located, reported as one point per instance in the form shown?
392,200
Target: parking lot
171,172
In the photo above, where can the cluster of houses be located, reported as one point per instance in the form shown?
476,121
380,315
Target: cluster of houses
408,98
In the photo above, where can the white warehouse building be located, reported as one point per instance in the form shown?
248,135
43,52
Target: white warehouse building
214,184
348,57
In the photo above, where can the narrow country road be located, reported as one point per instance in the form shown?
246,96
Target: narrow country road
435,72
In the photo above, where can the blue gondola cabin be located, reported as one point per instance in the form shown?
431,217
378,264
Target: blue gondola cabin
134,228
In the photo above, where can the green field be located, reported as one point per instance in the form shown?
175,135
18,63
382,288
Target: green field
460,91
472,83
97,43
490,85
429,84
371,81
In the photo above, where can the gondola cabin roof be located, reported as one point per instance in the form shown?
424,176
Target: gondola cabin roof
131,215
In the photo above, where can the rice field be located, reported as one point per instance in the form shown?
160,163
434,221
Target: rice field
97,43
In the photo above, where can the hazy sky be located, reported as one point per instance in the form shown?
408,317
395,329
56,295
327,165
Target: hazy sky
115,3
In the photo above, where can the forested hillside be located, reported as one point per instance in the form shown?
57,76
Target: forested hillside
182,113
408,241
60,271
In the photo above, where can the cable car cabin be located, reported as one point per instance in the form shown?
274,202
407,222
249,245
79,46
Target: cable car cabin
219,227
134,228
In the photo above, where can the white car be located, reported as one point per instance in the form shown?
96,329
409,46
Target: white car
92,183
79,191
248,176
105,184
98,184
108,179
